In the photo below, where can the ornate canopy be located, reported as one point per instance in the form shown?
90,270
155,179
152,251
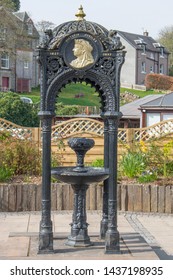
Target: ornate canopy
99,65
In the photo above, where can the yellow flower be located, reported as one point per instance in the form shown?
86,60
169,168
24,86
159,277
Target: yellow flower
143,146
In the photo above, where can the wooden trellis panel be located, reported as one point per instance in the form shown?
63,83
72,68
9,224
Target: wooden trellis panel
77,126
158,130
15,130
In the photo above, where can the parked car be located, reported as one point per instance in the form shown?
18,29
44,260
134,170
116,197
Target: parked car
26,100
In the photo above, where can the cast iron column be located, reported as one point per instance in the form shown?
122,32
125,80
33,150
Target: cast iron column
112,234
79,226
46,234
104,221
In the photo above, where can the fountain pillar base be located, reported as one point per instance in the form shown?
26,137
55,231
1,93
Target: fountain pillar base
112,245
82,240
46,243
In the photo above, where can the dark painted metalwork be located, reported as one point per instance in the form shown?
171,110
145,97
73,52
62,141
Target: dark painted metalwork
46,234
80,177
59,66
104,221
80,146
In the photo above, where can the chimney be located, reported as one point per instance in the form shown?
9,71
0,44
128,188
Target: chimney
145,33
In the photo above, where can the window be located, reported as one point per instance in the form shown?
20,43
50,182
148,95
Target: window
151,69
161,52
151,55
3,33
152,118
5,61
143,67
161,69
30,28
26,64
143,46
167,116
29,44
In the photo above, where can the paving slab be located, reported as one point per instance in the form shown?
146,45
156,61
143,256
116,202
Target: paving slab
15,247
140,237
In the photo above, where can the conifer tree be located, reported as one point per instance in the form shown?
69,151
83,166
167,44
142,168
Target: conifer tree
11,5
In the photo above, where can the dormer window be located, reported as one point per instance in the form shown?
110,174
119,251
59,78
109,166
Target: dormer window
142,44
156,45
160,47
139,41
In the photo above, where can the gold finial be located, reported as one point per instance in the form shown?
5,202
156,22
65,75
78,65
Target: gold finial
80,13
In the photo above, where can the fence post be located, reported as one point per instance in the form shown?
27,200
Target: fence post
130,137
36,135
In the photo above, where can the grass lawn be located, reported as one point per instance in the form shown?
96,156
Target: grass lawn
140,93
68,95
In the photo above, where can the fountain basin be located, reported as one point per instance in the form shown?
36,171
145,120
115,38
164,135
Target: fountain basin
87,176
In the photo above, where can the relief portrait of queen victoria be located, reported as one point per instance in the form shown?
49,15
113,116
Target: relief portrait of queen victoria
83,52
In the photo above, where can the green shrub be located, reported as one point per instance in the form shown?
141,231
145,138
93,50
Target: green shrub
98,163
147,177
132,164
66,109
5,173
13,109
21,157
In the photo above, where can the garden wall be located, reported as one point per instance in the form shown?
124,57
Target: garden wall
138,198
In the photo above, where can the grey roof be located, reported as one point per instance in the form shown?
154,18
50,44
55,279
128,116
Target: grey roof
131,110
147,40
23,18
20,15
164,101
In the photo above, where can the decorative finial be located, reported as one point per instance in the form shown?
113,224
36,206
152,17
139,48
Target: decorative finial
80,13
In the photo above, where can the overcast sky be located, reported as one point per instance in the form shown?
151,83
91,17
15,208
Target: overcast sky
132,16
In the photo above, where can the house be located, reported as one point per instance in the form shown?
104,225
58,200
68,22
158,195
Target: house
144,55
19,70
157,110
132,115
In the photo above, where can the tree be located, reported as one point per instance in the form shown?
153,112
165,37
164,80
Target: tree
11,5
13,109
42,26
166,39
9,27
17,5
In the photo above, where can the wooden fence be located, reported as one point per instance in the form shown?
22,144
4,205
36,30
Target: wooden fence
87,127
138,198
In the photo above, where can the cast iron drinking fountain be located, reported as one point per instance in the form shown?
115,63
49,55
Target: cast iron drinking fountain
80,177
81,51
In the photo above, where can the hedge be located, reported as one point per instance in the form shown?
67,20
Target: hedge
158,81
